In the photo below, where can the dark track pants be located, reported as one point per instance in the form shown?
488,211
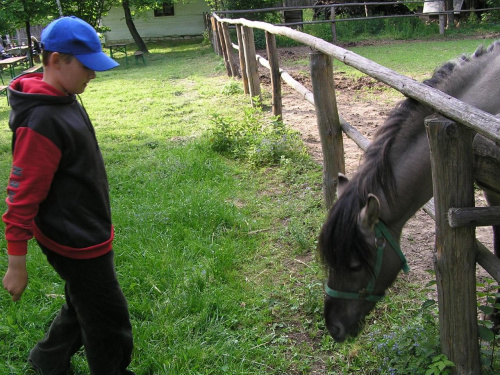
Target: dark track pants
95,315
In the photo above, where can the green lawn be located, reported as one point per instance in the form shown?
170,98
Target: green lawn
216,257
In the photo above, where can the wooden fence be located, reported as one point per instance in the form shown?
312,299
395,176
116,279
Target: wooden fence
456,245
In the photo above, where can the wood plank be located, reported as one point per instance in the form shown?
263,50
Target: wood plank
272,55
251,64
474,216
455,260
330,131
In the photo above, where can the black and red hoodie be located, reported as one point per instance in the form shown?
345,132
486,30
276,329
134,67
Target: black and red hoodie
58,189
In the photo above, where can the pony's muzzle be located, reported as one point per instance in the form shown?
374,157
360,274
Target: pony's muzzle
336,330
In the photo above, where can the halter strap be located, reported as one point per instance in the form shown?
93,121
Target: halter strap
381,230
382,235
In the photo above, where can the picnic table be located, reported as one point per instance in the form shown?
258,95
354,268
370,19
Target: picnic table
18,51
11,62
114,48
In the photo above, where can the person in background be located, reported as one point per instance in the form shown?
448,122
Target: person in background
37,49
36,45
3,53
58,193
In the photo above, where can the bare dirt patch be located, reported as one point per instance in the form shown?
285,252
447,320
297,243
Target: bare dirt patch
365,104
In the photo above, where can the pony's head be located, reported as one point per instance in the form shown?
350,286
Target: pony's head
361,257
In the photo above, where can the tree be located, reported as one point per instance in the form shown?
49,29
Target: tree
129,19
23,13
16,14
139,6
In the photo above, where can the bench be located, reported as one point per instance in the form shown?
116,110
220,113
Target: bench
139,55
3,89
33,69
114,48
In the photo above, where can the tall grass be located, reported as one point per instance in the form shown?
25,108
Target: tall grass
215,255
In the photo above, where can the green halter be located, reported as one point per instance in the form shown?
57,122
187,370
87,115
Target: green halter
382,235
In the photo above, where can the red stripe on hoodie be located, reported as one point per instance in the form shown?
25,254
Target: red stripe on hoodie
29,183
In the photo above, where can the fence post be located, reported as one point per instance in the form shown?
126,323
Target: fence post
215,36
272,57
334,25
224,50
241,55
329,127
229,51
251,63
455,258
442,23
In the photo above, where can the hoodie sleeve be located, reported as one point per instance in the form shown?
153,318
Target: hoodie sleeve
35,161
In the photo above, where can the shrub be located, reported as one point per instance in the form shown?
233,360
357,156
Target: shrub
259,140
414,348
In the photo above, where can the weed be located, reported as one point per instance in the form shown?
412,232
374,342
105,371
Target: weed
411,348
232,87
488,338
440,365
256,138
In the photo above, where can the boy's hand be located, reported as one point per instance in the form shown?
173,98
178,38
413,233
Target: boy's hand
16,277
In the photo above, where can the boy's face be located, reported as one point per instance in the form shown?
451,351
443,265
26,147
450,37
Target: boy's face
70,77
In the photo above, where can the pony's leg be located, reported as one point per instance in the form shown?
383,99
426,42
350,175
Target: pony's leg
493,199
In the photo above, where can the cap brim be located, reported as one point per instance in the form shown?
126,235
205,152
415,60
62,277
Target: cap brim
98,61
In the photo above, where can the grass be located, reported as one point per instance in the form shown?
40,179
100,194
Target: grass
216,256
419,61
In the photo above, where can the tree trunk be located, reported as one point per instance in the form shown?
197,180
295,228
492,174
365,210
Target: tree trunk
131,27
29,43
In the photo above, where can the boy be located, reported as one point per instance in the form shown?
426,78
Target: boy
58,193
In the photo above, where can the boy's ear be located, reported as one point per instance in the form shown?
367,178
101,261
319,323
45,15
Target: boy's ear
54,59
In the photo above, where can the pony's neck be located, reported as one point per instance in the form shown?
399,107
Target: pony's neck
413,180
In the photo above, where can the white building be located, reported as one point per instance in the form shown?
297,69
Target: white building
179,20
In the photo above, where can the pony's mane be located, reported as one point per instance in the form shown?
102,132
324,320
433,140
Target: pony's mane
340,238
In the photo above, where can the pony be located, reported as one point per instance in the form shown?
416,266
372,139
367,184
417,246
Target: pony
359,241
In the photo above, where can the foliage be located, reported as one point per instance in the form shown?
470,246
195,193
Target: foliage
16,13
488,305
411,348
440,365
19,13
240,4
255,138
7,24
269,16
491,15
232,88
89,11
392,28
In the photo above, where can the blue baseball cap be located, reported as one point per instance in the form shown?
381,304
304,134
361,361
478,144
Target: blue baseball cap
76,37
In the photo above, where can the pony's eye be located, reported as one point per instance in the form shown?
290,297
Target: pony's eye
355,265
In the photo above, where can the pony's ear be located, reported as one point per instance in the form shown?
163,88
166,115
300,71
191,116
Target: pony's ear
343,180
368,216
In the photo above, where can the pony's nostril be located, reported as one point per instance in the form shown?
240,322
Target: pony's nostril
337,331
